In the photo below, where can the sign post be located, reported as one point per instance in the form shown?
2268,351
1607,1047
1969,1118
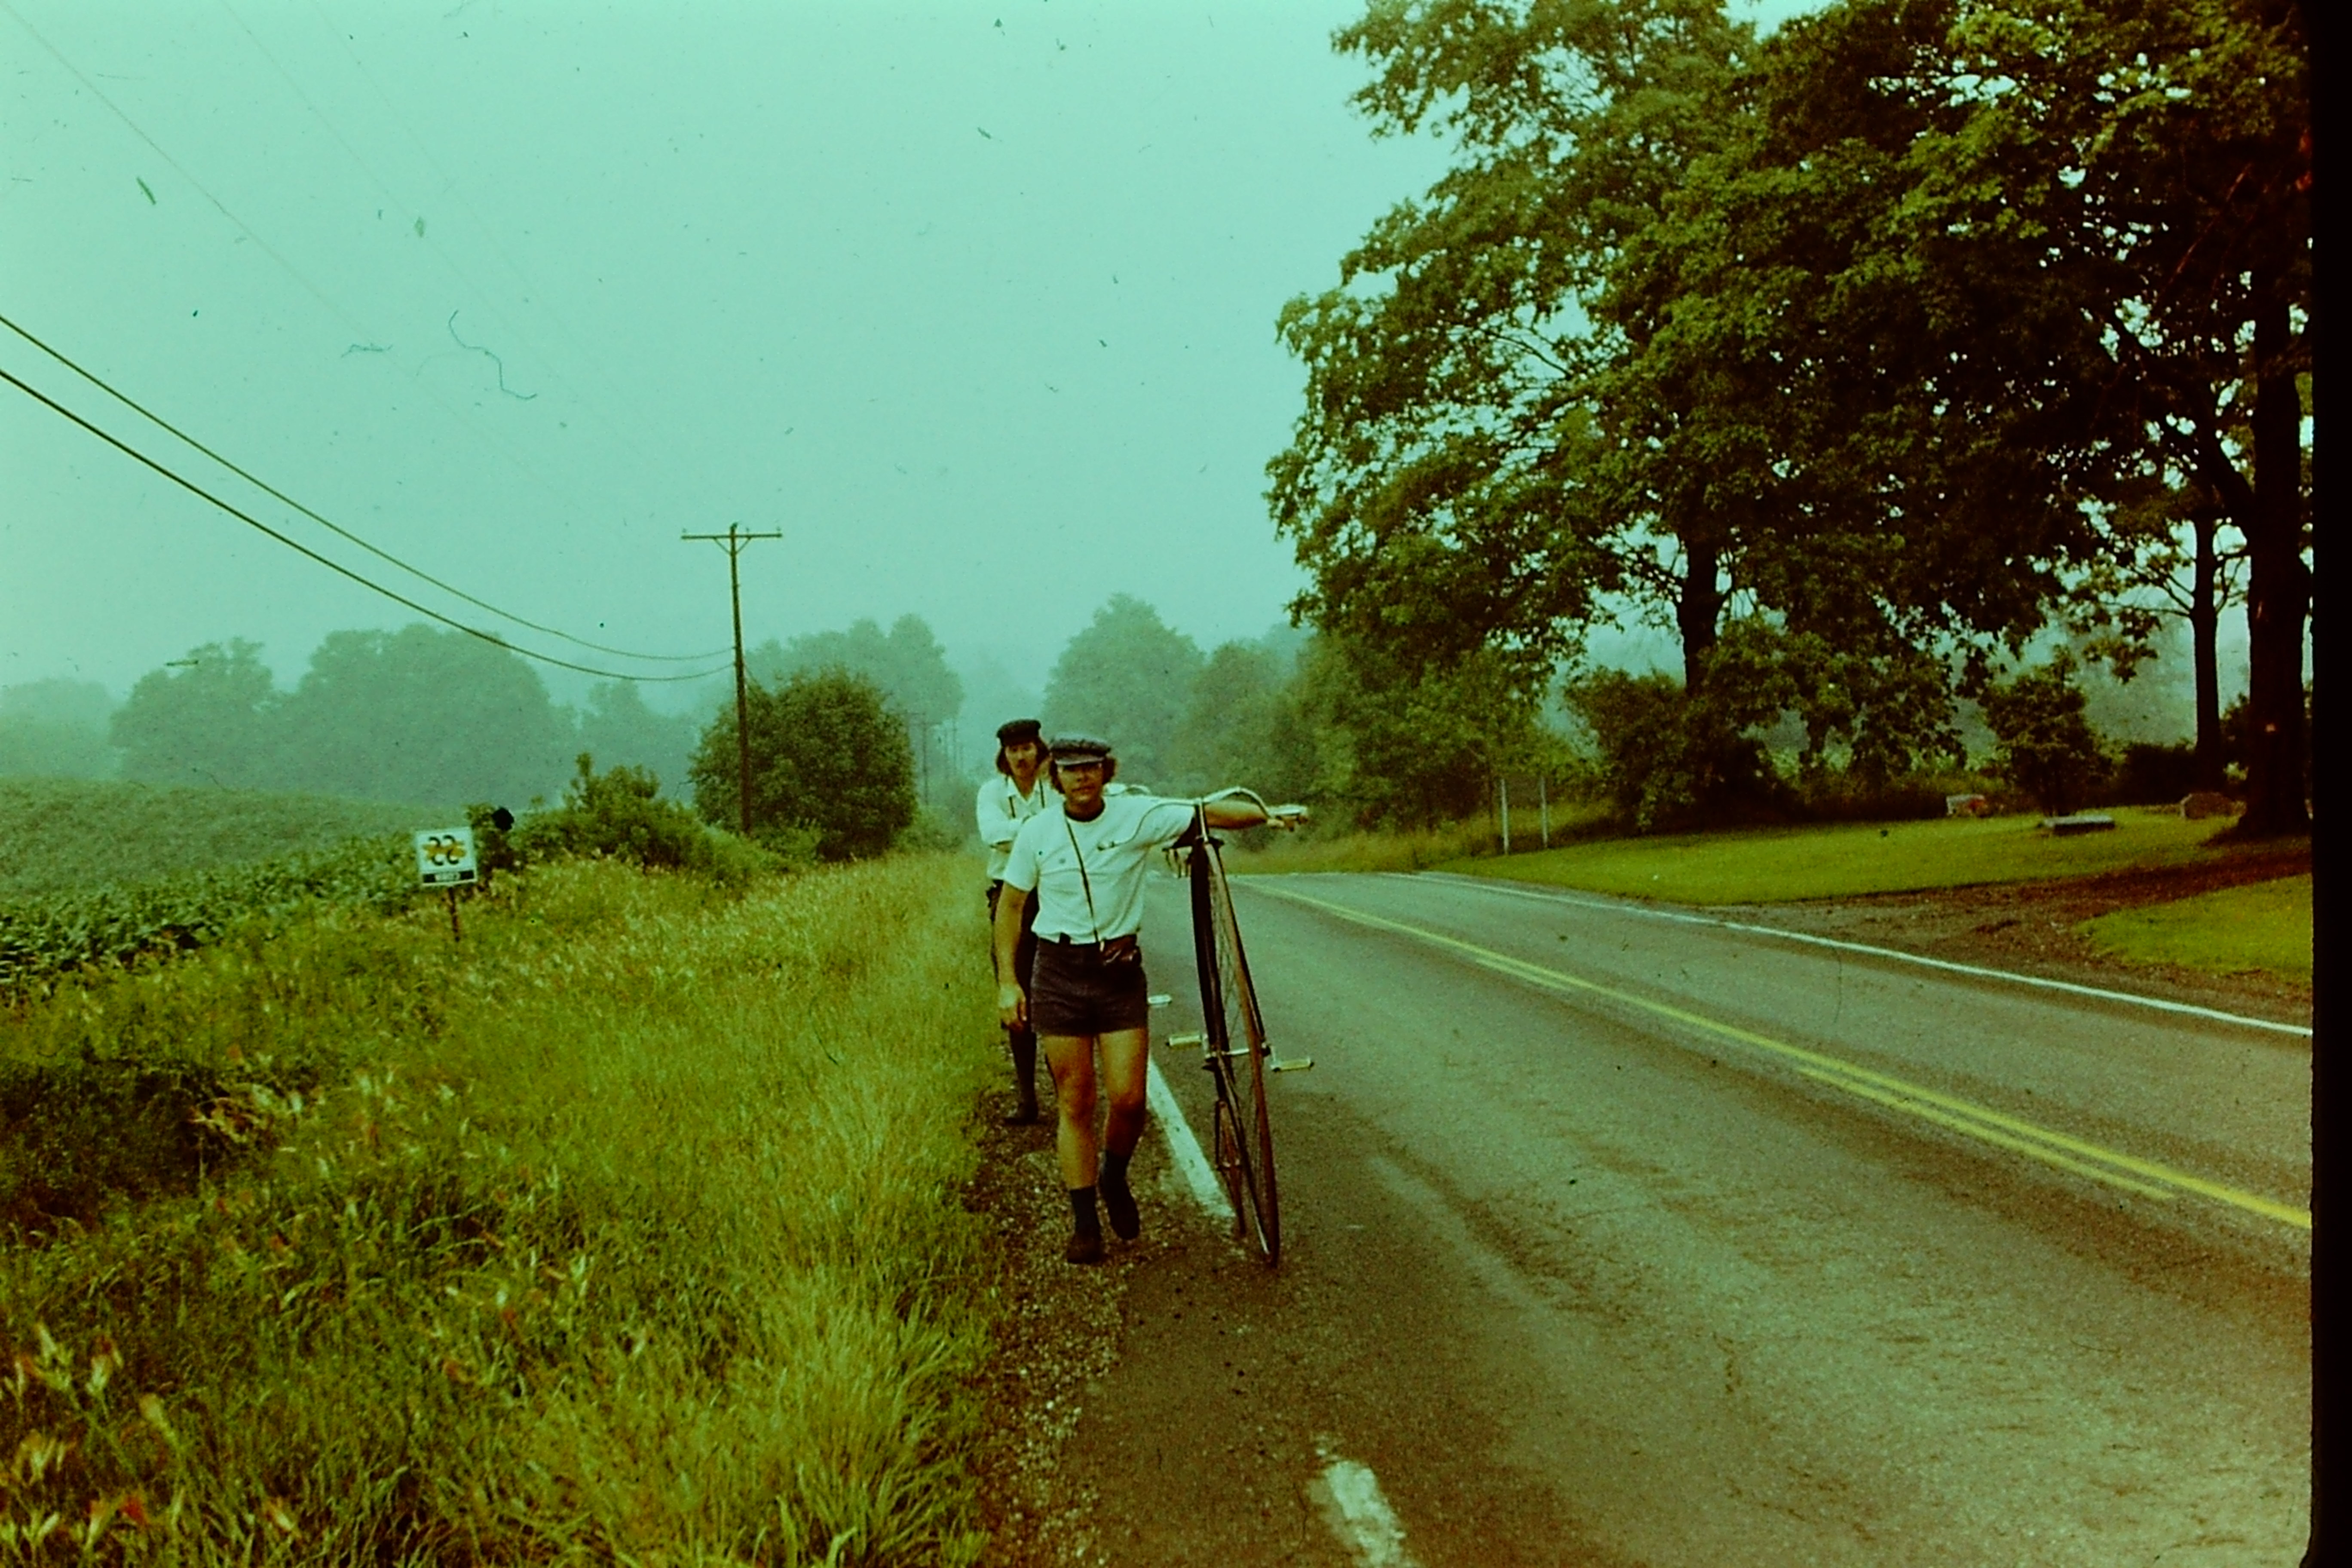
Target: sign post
444,859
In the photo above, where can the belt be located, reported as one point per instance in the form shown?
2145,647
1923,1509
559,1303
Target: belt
1085,942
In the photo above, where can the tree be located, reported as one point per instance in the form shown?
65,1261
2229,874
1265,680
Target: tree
1243,725
57,729
829,759
1401,744
421,714
906,662
2046,746
1125,676
207,720
2065,275
1508,432
619,726
1883,332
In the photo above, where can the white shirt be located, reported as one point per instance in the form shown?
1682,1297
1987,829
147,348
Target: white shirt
1115,849
1001,809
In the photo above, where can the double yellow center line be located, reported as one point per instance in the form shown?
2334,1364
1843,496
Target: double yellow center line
2148,1178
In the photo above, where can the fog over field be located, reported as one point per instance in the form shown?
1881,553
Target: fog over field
975,305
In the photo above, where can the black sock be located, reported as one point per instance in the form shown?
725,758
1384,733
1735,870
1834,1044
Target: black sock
1113,1168
1082,1211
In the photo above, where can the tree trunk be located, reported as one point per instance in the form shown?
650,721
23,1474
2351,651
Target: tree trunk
2204,627
2278,585
1698,610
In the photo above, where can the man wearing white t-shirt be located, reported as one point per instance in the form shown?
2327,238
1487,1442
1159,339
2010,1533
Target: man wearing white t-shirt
1016,795
1084,861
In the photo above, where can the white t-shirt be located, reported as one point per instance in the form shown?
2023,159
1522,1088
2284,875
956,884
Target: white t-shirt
1117,847
1001,809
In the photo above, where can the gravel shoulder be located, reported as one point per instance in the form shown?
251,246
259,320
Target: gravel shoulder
1058,1334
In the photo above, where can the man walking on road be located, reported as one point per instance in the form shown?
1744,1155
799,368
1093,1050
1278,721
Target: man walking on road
1007,801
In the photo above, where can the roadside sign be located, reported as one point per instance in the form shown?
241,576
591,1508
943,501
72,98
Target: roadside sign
444,857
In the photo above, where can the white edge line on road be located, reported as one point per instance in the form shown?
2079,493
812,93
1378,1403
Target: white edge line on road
1361,1515
1182,1146
1626,907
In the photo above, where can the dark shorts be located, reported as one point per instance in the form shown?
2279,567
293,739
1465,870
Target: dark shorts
1073,992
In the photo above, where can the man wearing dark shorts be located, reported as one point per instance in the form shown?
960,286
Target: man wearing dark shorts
1084,861
1016,795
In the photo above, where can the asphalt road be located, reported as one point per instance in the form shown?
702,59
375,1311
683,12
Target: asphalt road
1617,1239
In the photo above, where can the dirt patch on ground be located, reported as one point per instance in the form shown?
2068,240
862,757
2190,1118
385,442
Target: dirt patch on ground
2029,927
1059,1332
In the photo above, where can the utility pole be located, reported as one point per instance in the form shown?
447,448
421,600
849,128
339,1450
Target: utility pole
734,540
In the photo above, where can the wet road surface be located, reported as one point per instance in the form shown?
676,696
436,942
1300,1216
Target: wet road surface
1613,1239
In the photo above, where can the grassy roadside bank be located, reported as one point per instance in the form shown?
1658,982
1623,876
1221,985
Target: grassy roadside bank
629,1230
2262,926
1850,859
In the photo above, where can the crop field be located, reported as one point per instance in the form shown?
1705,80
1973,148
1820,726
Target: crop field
1847,859
627,1229
67,835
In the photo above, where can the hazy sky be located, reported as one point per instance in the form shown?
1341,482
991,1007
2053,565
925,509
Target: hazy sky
975,303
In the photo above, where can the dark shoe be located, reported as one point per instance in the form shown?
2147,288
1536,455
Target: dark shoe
1085,1247
1118,1207
1023,1115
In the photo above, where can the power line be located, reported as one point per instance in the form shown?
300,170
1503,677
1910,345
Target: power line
291,270
336,566
450,187
263,485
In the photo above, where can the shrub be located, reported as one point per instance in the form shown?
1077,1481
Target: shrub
619,815
1668,760
2045,745
829,758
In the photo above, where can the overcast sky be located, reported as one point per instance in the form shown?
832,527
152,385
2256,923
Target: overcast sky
974,303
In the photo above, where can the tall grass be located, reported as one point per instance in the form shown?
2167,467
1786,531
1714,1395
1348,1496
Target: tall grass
626,1231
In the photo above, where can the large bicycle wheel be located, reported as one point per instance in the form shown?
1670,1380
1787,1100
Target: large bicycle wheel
1237,1054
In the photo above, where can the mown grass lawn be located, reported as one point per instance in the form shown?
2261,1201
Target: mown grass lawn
2260,926
1844,859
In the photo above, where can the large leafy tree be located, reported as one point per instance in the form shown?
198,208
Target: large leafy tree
907,662
1878,338
830,764
2045,272
1125,676
207,719
421,714
1244,725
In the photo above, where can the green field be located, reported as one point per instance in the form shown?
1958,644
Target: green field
2262,926
629,1230
62,835
1768,864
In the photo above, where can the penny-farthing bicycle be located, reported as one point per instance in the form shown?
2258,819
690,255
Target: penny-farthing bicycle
1233,1040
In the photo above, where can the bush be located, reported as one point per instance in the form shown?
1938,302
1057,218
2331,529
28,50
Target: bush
830,766
619,815
2154,775
2045,745
1668,761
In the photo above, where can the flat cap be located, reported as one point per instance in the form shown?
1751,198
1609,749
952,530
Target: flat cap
1076,748
1013,732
